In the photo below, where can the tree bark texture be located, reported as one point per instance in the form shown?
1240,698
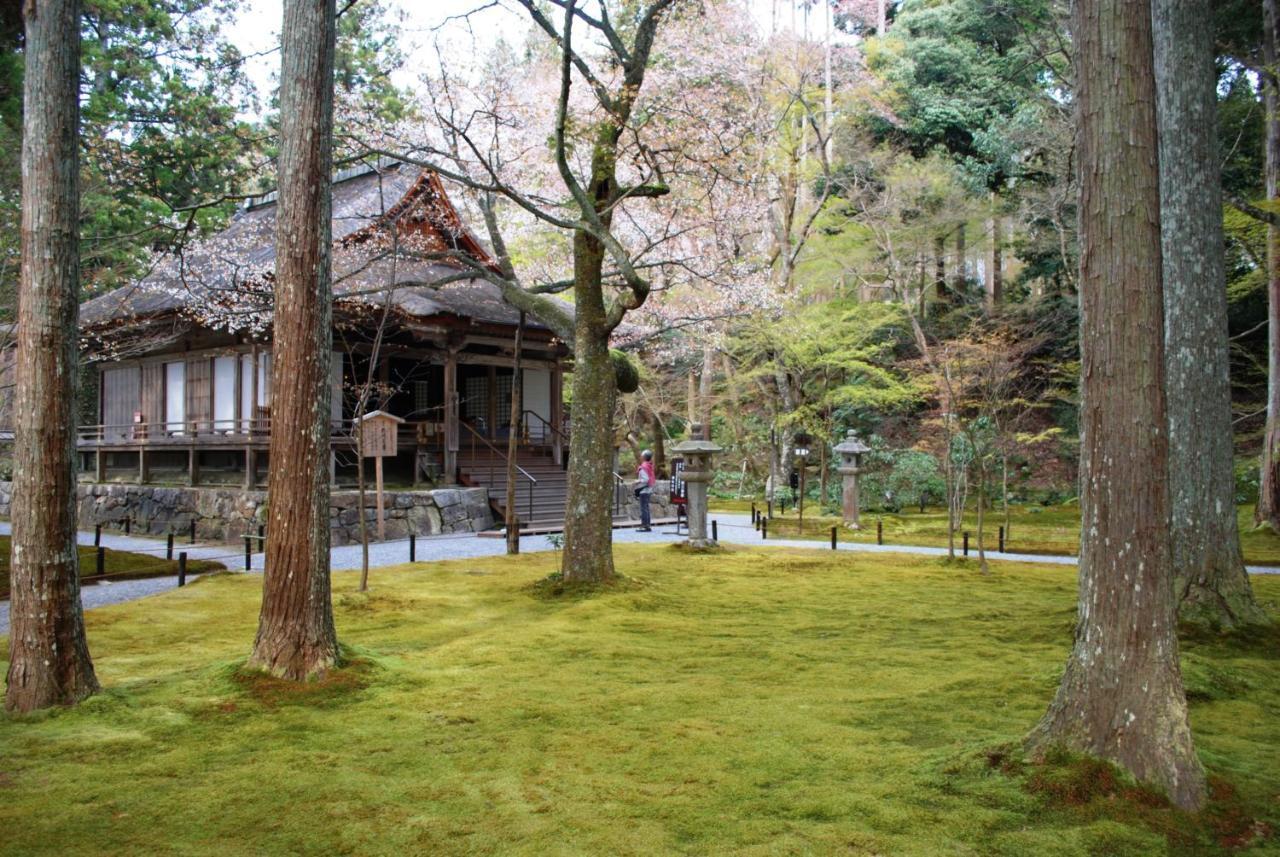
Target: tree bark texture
49,660
296,638
588,526
1268,511
1210,581
1121,696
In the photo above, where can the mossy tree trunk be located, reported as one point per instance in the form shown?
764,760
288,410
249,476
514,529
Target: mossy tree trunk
49,660
296,638
1268,511
1121,696
1210,582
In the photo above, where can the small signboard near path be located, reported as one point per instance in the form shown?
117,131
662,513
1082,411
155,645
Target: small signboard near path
378,433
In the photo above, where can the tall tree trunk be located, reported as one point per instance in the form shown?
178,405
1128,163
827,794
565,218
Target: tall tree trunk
1268,511
1210,582
1121,696
705,383
588,528
49,660
940,268
961,283
996,295
296,638
659,444
513,517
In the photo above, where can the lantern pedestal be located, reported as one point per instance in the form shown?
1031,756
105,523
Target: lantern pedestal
850,452
697,473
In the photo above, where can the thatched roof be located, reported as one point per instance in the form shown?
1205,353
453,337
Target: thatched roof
392,225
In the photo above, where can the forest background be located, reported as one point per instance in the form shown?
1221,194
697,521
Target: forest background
877,231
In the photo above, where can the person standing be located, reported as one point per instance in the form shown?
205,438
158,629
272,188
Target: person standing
646,479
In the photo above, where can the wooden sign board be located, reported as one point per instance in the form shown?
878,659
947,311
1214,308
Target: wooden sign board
378,431
378,434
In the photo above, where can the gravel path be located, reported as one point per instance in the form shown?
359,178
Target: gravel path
733,529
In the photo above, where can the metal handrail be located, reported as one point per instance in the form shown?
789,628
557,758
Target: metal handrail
555,431
475,435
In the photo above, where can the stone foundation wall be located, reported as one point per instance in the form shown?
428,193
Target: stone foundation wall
659,504
226,514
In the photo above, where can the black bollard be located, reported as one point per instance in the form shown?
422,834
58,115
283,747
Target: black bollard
1001,539
879,532
764,529
966,542
168,547
715,531
101,562
833,538
182,569
413,548
97,535
248,552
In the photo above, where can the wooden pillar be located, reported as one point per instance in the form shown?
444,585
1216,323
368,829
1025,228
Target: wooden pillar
450,473
557,413
100,466
193,466
142,465
250,465
492,395
253,404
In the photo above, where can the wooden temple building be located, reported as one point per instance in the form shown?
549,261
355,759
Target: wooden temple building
183,356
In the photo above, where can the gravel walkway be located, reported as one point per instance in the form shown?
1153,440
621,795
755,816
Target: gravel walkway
733,529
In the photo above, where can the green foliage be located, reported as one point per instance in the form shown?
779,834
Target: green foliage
843,355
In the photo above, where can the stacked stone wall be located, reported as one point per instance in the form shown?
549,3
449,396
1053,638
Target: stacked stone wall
227,515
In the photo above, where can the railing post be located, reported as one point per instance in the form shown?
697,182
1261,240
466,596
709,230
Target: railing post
248,552
193,531
168,548
128,523
879,532
97,535
1001,538
100,561
833,538
966,542
715,530
413,547
764,529
182,568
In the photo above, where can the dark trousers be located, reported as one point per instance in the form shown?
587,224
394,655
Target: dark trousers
644,509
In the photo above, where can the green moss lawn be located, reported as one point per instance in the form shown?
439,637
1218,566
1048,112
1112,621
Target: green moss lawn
117,565
1032,529
751,702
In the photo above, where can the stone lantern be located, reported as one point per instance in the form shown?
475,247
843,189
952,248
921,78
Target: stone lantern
850,451
697,455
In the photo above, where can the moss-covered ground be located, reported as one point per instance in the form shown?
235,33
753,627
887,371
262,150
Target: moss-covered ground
116,565
741,702
1032,529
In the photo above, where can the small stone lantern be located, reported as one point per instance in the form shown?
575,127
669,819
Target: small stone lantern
850,452
697,454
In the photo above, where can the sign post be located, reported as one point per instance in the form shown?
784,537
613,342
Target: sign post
378,431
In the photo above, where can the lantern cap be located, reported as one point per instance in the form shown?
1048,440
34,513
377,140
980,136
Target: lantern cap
695,446
851,445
